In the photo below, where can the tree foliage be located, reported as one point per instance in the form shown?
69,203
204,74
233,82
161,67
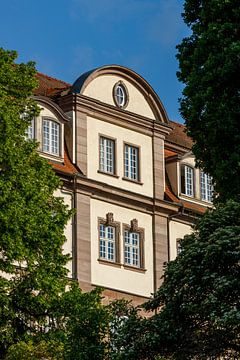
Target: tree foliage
209,61
198,305
43,315
32,220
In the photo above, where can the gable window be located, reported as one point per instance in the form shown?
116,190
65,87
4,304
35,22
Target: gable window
108,238
133,245
187,180
51,137
107,155
30,130
120,94
206,187
131,162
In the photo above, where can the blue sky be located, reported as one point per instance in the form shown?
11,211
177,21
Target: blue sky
68,37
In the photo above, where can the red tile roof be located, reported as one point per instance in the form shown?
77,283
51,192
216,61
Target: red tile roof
67,166
49,86
178,136
169,153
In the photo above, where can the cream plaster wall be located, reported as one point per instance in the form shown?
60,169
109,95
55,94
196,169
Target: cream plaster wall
97,127
122,279
177,230
67,247
101,88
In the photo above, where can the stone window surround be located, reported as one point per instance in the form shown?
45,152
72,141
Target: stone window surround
109,221
133,227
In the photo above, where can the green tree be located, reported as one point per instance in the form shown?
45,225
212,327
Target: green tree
86,324
32,220
209,61
198,305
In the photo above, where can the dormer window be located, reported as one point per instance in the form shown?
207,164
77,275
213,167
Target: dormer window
120,94
51,137
187,180
206,187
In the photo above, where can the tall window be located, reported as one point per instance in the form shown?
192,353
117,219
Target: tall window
107,155
107,242
108,238
30,130
133,244
51,139
131,248
187,184
131,162
206,187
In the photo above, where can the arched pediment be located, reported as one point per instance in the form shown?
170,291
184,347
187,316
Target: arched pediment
99,84
52,107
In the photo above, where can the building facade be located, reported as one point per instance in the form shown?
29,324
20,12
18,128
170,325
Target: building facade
129,173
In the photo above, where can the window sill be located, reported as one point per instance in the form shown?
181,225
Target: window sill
108,262
132,180
195,200
133,268
57,158
107,173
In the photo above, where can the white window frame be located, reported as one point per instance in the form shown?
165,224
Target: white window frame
132,249
120,95
30,130
131,162
188,180
107,242
206,188
107,155
51,143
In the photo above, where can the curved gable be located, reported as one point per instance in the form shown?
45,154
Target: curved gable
142,100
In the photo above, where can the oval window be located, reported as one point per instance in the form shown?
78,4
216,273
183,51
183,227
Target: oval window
120,95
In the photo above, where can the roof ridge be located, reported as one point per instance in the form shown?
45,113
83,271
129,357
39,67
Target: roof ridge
53,78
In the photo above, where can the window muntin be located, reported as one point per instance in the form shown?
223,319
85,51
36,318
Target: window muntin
30,131
187,180
120,94
206,188
107,155
107,242
131,162
51,137
131,248
133,245
109,232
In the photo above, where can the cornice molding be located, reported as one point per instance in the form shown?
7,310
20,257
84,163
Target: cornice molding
124,118
121,197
